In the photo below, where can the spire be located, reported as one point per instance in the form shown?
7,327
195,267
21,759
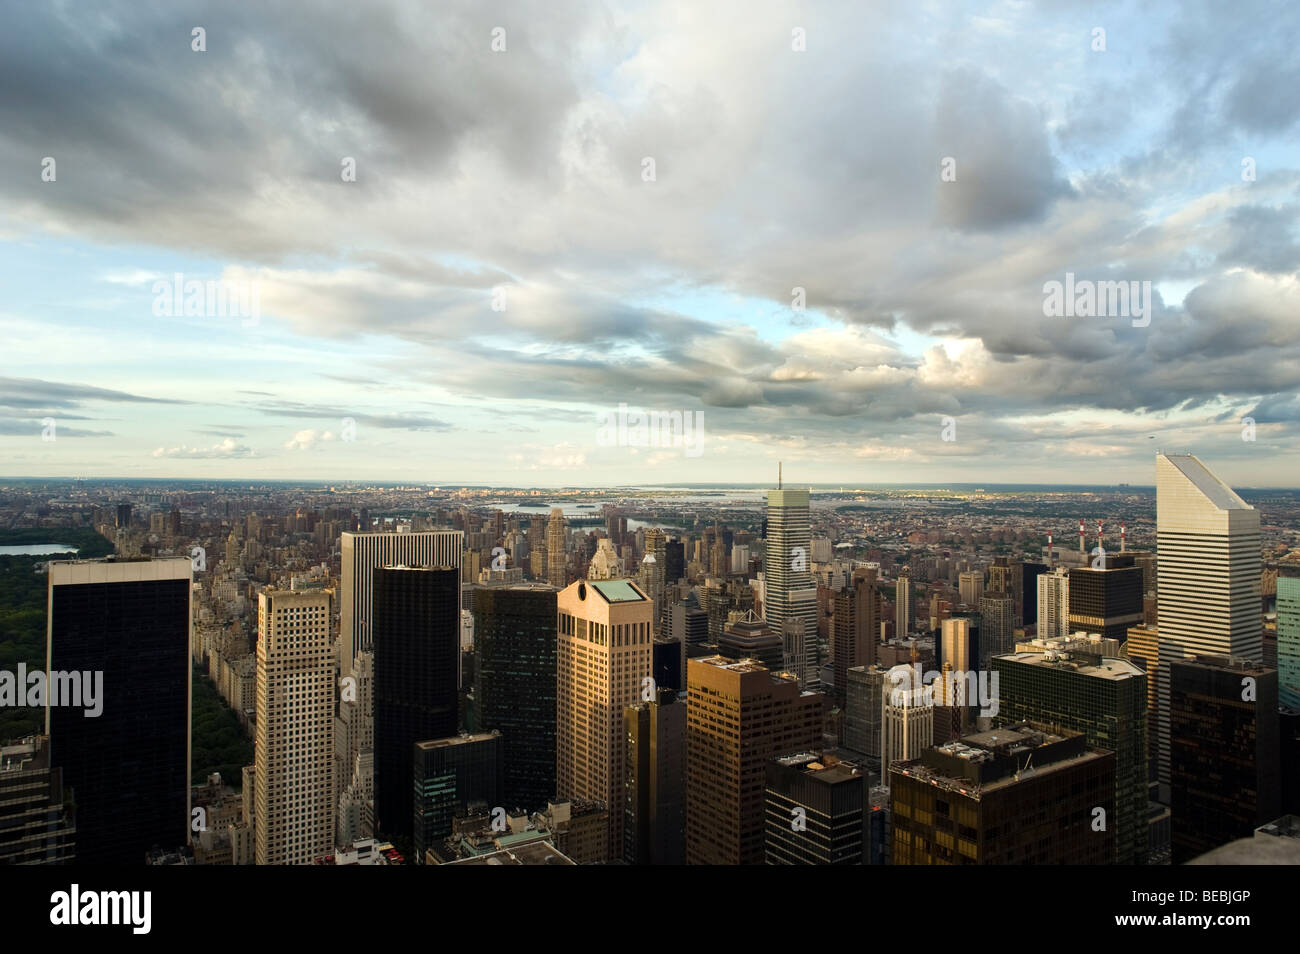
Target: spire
778,475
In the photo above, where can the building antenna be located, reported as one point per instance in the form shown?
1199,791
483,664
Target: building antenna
778,475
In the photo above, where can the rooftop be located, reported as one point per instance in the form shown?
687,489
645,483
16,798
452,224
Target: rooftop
538,853
1288,826
617,591
1107,667
1215,490
461,739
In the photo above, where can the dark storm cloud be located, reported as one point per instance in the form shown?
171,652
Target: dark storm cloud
1005,171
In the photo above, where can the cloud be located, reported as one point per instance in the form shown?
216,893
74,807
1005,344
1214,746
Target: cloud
226,449
306,440
521,171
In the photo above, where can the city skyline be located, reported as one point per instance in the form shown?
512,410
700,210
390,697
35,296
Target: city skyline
652,433
468,241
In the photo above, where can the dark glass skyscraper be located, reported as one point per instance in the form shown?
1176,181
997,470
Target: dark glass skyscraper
1108,599
417,673
675,561
448,775
1103,698
1223,752
1029,574
654,822
129,766
815,811
514,633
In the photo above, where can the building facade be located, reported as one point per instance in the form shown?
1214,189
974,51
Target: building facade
604,656
128,768
294,804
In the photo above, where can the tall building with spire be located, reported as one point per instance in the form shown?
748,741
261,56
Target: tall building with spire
790,590
1208,598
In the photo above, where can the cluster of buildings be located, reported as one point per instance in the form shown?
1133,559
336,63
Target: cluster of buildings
459,687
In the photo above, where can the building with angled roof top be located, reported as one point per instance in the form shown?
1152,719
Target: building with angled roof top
604,657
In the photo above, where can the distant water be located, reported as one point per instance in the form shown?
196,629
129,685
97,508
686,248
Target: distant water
36,549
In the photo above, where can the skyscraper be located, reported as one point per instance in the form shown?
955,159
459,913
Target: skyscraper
863,709
971,587
556,555
652,572
129,766
1223,752
1054,604
1288,641
957,646
997,624
790,589
1020,794
1029,574
603,663
447,775
654,824
739,715
908,719
1207,584
1102,697
1143,650
903,607
674,561
815,811
1106,599
417,675
36,825
515,637
855,625
293,799
362,554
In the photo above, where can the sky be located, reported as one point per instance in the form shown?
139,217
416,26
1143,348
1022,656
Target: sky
468,233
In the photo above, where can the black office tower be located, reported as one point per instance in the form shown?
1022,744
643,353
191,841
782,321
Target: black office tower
654,811
815,812
128,766
514,633
417,661
1029,574
674,561
448,775
1106,599
1223,752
